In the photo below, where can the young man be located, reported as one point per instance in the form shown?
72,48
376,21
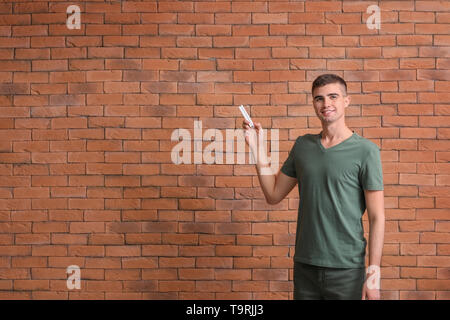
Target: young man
339,175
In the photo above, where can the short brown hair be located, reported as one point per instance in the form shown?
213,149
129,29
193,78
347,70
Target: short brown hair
328,78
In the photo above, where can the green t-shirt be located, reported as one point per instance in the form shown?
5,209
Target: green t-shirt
331,184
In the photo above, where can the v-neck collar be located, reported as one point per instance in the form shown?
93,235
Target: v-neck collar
319,138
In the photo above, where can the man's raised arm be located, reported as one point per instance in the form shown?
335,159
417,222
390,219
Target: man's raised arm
275,186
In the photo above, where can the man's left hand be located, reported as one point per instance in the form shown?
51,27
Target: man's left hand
370,294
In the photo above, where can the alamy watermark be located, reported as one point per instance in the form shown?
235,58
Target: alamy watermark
74,19
374,21
190,149
373,277
74,279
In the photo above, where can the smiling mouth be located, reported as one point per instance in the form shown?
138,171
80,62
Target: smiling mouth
327,112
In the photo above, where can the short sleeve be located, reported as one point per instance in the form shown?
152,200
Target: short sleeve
371,174
288,167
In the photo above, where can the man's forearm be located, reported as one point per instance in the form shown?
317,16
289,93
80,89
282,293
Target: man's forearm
266,179
376,239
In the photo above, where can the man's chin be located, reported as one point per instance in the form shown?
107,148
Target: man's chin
327,120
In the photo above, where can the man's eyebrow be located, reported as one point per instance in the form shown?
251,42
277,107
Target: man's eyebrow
330,94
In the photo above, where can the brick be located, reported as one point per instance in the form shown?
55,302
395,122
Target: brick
322,29
303,41
269,18
414,40
429,284
323,6
362,76
216,7
415,86
416,203
398,284
396,144
404,52
206,76
432,6
433,52
224,41
356,29
432,261
398,97
434,237
327,52
437,121
441,40
428,28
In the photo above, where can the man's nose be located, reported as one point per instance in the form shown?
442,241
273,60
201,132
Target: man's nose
328,102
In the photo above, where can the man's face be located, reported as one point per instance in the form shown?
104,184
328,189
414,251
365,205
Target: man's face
330,102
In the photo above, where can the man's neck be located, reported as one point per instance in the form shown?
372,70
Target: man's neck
335,132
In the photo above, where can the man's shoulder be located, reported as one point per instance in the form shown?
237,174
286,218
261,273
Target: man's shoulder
306,136
365,143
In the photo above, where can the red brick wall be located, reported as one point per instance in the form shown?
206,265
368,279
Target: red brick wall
86,118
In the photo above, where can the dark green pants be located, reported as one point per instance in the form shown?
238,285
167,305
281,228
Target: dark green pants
321,283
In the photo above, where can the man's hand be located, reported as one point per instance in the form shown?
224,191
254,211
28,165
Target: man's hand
253,136
371,287
370,294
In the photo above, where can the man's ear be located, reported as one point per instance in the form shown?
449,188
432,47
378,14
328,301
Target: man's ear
347,100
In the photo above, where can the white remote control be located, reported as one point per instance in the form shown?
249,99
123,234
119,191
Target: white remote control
246,116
